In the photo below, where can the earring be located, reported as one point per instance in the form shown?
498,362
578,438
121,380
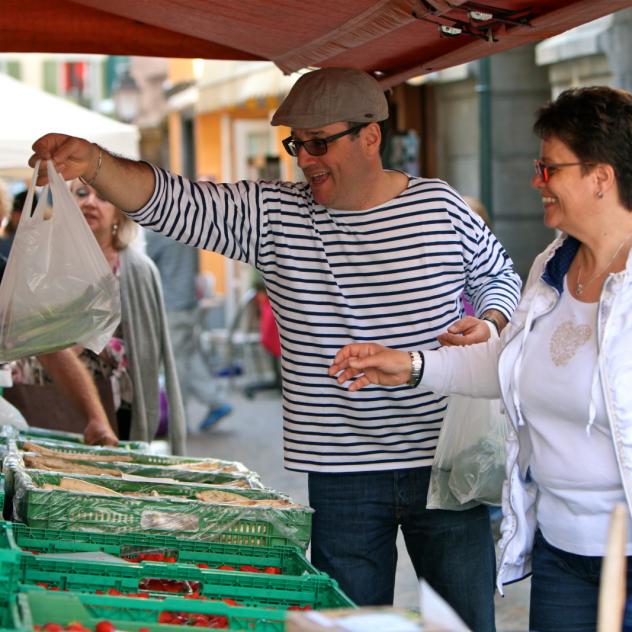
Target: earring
114,229
599,194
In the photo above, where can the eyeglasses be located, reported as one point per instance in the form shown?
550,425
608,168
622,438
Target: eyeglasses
316,146
545,170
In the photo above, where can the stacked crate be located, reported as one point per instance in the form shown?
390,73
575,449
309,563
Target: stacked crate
145,549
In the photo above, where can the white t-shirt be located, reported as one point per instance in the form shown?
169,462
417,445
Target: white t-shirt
576,472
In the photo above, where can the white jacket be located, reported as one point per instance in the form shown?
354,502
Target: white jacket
493,369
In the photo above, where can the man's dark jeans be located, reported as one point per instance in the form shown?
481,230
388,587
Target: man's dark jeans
354,534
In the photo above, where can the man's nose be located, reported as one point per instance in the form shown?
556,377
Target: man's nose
303,157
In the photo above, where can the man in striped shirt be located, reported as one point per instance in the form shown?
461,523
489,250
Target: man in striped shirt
355,253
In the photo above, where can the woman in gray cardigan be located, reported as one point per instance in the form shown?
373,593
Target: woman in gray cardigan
140,346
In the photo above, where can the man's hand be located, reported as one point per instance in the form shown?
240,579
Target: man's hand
370,363
72,157
99,432
466,331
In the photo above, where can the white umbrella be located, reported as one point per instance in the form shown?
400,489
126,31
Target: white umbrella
27,113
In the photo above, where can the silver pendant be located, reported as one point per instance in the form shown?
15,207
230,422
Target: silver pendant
579,289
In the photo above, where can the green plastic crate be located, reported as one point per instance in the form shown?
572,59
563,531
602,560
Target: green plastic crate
9,581
129,456
45,434
40,607
9,571
164,579
177,488
245,480
130,545
9,619
182,516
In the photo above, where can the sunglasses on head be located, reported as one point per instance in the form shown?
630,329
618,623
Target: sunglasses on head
545,170
316,146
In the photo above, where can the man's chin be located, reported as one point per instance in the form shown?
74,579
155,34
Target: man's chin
319,198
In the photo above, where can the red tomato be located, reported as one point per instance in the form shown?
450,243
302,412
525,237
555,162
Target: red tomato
53,627
272,570
225,567
249,568
105,626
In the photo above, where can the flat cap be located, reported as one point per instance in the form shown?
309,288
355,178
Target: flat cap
330,95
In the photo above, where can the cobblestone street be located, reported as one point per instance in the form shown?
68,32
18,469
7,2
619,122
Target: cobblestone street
252,434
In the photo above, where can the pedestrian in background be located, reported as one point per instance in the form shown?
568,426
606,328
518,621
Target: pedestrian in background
178,265
140,348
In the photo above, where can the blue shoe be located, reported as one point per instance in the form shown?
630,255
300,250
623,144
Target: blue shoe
215,415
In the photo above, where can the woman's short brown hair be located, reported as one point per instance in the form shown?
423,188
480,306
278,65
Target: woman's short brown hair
596,124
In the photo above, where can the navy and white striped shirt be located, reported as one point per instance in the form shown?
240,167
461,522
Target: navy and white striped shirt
393,274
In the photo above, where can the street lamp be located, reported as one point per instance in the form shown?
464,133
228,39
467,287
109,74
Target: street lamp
126,96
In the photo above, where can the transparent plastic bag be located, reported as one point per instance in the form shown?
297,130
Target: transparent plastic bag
469,463
58,289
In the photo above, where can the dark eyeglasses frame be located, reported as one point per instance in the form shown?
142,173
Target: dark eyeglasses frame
545,170
316,146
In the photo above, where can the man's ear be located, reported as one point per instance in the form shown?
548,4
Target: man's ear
372,135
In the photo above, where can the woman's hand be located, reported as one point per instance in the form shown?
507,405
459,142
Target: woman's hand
99,432
73,157
370,363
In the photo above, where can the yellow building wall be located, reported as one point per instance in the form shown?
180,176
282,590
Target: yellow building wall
208,158
175,142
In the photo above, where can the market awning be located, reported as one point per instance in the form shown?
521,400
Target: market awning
397,38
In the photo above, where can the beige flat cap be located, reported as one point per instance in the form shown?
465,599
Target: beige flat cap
331,95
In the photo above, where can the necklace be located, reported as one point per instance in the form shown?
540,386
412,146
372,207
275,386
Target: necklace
580,287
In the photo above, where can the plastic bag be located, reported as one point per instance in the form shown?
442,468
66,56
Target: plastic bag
58,289
469,462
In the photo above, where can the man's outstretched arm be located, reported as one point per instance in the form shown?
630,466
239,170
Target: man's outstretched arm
128,184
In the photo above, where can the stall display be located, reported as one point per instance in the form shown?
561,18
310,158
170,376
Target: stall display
64,501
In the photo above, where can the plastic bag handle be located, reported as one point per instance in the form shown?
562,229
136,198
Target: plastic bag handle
28,202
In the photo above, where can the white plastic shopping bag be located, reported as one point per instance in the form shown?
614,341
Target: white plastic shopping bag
58,289
469,462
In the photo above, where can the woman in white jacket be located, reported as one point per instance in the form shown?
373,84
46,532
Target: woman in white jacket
563,366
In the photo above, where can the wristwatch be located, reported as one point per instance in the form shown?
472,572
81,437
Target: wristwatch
417,365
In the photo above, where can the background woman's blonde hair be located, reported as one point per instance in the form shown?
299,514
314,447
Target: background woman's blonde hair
126,229
126,233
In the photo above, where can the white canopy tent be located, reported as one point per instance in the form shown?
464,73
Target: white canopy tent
27,113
